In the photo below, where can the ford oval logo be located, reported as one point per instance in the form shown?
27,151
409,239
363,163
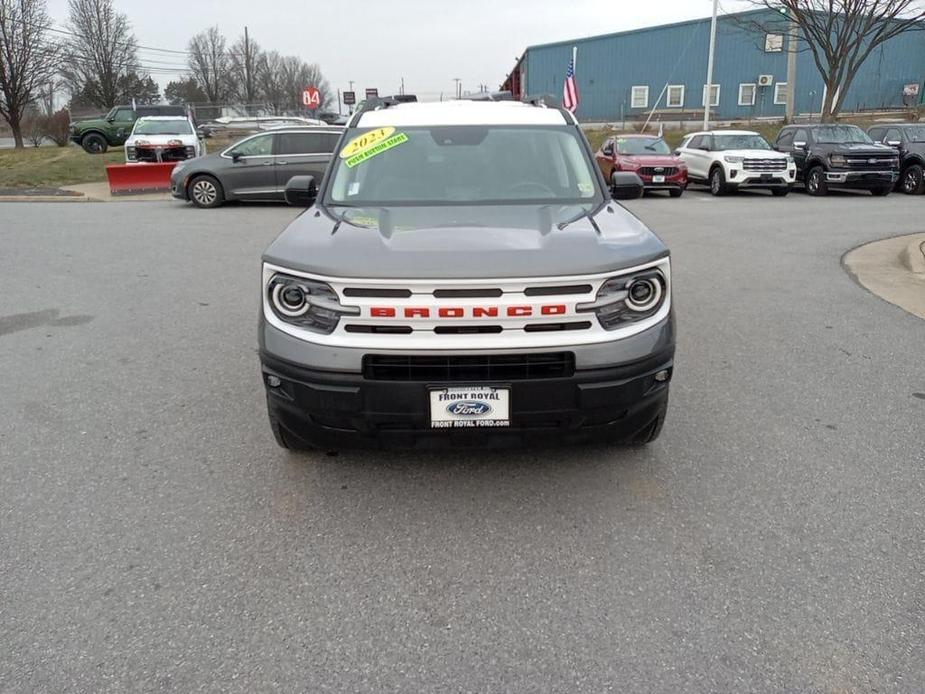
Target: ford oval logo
468,408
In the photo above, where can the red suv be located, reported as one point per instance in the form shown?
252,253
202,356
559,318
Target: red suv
649,157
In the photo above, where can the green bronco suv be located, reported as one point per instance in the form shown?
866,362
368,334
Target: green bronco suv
96,135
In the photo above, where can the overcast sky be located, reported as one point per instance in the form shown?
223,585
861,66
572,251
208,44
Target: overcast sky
375,43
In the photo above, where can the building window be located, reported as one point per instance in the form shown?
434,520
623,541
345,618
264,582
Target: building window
640,97
675,96
714,95
747,94
780,93
773,43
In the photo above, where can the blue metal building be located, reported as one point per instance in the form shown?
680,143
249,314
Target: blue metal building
628,74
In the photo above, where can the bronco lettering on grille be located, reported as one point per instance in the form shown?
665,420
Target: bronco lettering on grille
468,312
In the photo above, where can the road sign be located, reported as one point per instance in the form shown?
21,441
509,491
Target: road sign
311,98
350,98
372,93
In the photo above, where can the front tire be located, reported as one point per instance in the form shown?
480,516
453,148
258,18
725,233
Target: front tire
880,192
718,181
676,192
912,181
205,192
94,143
780,192
816,183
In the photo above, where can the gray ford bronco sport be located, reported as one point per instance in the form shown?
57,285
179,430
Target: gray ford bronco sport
463,277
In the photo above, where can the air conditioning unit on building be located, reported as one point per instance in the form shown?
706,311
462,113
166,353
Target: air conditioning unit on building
765,80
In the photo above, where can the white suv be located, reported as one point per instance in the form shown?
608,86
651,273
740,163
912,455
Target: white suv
727,160
163,139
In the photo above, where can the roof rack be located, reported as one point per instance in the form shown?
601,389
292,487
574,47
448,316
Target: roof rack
490,96
380,102
541,100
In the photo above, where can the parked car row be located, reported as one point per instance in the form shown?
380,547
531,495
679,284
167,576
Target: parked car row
820,157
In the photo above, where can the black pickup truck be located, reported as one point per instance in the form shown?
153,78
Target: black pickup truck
839,156
909,140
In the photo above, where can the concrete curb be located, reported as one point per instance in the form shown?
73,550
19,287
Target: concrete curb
47,198
913,256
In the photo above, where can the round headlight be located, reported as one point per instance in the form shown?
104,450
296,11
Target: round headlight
643,294
290,300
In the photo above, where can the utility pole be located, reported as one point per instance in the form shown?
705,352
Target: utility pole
458,87
708,97
791,71
402,92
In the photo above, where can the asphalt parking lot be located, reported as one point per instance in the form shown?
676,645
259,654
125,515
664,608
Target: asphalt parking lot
154,538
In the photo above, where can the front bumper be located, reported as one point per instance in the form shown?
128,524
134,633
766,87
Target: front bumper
861,179
675,182
740,178
339,409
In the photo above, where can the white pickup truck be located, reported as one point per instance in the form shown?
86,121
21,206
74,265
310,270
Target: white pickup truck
156,139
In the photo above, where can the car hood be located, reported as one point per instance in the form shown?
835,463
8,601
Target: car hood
161,139
754,153
464,242
90,123
859,148
651,159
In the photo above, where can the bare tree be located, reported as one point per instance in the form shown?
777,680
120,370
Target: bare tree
210,64
101,51
28,61
840,35
269,77
245,56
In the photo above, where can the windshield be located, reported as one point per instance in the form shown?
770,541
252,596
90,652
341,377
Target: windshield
462,165
164,127
916,133
837,134
641,145
724,142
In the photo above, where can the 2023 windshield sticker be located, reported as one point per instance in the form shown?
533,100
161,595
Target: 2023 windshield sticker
378,148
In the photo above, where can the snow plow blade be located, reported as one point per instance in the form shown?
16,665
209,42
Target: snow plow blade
134,179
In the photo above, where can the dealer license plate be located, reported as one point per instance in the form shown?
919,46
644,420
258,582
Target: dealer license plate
658,179
462,407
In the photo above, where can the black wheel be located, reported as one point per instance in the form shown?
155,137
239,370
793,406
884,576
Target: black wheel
815,181
880,192
718,181
676,192
94,143
780,192
652,432
285,441
205,192
912,181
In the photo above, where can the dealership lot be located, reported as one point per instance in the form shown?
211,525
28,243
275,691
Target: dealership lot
154,538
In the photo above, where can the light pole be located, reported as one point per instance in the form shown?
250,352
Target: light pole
458,87
708,97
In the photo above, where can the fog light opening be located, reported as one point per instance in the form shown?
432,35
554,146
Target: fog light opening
274,381
662,376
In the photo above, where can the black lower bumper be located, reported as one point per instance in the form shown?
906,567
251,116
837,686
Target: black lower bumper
345,410
864,180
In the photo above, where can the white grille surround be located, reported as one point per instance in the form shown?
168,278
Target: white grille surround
526,320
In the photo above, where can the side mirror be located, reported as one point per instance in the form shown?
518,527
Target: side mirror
301,191
799,144
625,185
236,157
895,144
677,153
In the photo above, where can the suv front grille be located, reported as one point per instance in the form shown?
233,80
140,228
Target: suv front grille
871,162
765,165
455,368
658,170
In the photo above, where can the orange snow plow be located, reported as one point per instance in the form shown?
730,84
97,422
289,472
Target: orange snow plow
133,179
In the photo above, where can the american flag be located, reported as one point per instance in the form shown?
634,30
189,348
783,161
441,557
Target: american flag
570,88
